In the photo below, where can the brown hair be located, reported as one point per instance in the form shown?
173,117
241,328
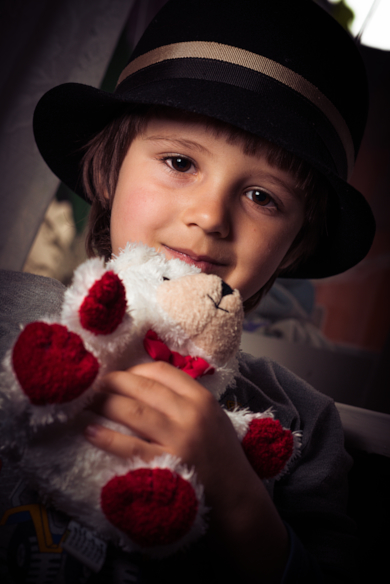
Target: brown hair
106,151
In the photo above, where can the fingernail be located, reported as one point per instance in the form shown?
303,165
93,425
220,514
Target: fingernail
92,431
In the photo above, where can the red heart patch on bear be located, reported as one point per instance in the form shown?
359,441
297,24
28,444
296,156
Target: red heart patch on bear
268,446
104,307
152,506
51,364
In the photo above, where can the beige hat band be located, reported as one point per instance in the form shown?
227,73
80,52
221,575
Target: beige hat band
253,62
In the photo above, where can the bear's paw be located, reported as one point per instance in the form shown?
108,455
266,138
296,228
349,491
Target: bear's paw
268,447
152,507
52,364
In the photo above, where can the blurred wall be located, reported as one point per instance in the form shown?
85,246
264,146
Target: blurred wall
43,43
357,302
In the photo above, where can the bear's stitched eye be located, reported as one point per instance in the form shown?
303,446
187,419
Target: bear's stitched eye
165,278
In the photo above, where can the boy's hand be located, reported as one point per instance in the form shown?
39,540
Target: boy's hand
173,413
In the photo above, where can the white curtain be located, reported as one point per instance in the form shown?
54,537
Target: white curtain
42,43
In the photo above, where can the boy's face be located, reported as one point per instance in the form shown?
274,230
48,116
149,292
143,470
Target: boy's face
194,196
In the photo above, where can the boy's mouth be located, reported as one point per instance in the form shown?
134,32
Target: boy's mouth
206,264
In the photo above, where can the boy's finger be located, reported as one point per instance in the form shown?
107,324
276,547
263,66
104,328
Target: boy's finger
120,444
148,422
158,384
168,375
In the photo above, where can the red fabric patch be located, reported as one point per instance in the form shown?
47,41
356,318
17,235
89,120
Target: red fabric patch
104,307
51,364
152,506
158,350
267,446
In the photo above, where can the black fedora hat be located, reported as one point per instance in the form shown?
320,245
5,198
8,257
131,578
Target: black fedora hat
281,69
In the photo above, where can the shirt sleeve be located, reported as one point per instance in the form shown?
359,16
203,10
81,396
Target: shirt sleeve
24,298
312,496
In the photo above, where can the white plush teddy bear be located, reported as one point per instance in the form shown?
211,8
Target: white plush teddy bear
138,307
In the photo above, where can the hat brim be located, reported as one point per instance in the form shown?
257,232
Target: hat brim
69,115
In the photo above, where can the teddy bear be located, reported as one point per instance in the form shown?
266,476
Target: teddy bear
135,308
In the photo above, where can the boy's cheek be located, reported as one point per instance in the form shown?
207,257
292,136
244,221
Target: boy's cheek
262,259
132,222
252,275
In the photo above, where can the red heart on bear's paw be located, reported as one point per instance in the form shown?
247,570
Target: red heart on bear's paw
51,364
104,307
268,446
152,506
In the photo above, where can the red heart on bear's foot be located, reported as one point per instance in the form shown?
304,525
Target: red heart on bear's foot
104,307
51,364
268,447
152,506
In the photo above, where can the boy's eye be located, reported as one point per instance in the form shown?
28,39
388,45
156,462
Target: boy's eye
261,197
179,163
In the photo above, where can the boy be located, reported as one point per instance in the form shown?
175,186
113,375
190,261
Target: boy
227,144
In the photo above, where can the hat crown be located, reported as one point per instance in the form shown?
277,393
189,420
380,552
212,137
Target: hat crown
299,35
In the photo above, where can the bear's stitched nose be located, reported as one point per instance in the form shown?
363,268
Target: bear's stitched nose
226,290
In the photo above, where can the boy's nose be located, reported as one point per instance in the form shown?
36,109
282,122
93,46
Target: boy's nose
210,213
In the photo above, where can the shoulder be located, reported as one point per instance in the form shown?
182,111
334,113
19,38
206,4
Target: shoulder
316,485
25,298
15,286
263,383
